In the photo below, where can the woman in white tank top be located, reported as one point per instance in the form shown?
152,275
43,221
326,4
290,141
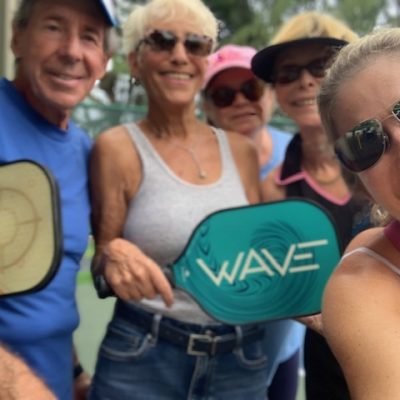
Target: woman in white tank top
152,182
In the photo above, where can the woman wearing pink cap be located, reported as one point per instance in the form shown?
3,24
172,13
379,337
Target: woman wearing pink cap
236,100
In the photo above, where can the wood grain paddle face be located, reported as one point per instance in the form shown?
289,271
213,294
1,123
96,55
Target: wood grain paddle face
30,227
259,263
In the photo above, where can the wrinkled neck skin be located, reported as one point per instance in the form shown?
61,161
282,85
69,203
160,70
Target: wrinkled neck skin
316,147
56,116
172,121
263,142
320,162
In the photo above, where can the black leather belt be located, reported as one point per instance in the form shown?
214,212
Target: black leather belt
198,344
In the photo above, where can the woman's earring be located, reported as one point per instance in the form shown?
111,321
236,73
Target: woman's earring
133,83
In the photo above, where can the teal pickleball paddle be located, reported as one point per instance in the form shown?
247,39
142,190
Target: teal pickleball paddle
261,262
30,227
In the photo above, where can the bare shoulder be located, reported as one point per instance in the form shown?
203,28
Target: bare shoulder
361,287
241,145
356,270
115,161
365,238
115,148
361,298
114,140
270,190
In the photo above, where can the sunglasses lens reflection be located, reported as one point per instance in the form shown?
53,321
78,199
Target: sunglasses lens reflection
198,45
396,111
162,40
360,148
291,73
252,90
224,96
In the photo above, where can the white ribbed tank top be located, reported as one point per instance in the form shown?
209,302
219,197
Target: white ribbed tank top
166,209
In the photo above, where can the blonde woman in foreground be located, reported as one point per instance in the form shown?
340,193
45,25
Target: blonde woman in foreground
360,109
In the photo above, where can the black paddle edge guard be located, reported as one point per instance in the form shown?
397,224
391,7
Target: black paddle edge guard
57,226
259,205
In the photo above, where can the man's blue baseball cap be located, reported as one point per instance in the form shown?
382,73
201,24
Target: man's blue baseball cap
108,8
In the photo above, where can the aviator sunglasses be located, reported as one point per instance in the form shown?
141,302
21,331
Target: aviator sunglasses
363,146
162,40
290,73
224,96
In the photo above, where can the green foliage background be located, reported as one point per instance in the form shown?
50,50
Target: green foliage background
253,22
246,22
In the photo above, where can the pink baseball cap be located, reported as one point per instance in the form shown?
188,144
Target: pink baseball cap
228,56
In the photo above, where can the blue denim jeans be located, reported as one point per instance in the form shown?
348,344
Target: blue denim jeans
134,364
282,340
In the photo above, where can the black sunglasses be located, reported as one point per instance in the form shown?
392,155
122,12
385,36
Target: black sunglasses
290,73
363,146
163,40
224,96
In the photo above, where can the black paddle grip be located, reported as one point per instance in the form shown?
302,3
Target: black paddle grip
102,287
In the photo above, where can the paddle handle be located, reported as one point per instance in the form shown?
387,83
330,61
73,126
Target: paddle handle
103,289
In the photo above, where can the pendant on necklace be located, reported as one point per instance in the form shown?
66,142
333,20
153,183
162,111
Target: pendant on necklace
202,174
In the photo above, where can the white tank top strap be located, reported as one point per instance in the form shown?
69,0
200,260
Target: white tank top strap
375,255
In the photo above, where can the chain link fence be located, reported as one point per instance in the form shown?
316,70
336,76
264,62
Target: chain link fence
96,118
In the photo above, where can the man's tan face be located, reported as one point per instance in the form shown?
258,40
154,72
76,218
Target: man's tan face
60,53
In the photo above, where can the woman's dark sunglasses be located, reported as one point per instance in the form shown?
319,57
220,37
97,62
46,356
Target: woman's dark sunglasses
364,145
290,73
224,96
163,40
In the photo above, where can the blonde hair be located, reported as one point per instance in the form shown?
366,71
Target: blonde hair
349,61
143,16
312,24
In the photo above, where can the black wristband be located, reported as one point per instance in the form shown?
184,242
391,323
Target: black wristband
78,370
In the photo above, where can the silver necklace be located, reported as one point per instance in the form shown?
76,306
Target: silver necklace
201,173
